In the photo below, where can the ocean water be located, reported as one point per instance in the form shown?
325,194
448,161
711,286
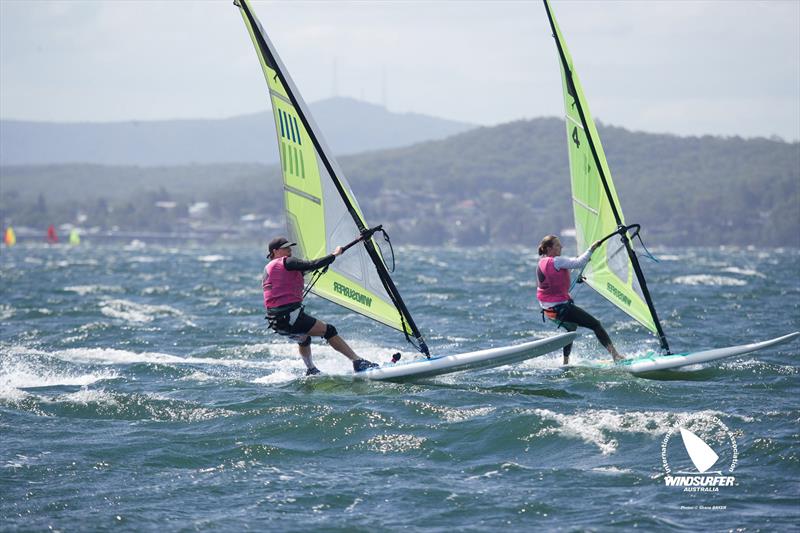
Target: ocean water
140,390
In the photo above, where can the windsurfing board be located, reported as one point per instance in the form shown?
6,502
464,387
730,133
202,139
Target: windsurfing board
489,358
653,362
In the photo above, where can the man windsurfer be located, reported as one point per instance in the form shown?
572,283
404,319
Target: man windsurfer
552,275
283,297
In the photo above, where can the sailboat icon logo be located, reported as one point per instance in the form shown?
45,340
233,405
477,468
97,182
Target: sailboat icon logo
701,454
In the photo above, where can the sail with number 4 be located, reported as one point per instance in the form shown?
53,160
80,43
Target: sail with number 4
614,269
321,210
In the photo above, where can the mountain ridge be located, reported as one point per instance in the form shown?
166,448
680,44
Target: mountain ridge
501,184
351,125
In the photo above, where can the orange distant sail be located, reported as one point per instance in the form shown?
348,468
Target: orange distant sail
10,238
52,238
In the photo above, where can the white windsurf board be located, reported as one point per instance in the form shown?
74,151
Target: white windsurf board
492,357
653,362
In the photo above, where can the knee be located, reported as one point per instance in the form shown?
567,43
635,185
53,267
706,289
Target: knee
330,332
306,342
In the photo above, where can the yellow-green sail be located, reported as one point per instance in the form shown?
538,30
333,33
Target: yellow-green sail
614,269
321,210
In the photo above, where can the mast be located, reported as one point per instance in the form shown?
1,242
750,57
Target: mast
662,338
272,58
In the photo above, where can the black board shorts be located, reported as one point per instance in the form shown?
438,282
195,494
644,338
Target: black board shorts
296,330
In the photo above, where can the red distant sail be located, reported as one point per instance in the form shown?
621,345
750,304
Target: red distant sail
52,238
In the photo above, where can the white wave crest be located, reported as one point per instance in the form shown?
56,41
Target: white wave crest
87,396
83,290
397,443
744,272
6,311
598,426
136,312
17,373
707,279
212,258
453,414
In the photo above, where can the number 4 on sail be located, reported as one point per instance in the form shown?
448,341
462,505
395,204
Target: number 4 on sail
322,212
614,270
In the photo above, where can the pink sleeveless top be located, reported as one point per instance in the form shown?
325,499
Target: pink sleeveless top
281,286
553,284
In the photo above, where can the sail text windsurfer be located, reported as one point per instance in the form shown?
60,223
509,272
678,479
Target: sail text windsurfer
283,296
552,274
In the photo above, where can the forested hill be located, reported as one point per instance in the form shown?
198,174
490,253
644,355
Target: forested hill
504,184
698,190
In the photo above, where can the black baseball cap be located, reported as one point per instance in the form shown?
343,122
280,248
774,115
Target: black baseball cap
279,242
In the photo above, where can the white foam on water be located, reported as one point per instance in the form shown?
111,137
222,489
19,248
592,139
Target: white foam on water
744,272
136,312
197,376
598,426
11,394
707,279
612,470
394,443
6,311
280,376
83,290
111,356
755,364
17,373
86,396
160,289
134,245
144,259
451,414
285,358
212,258
29,380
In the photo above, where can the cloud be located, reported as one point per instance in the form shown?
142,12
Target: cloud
482,62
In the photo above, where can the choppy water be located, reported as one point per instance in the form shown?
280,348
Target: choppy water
139,389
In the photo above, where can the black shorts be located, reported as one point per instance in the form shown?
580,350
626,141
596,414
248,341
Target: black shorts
296,330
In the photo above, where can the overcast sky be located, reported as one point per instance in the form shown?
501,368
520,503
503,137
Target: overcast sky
683,67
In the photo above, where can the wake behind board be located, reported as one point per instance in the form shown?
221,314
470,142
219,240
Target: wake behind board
653,362
425,368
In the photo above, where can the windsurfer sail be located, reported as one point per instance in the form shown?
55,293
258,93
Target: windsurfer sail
10,238
614,270
52,237
321,209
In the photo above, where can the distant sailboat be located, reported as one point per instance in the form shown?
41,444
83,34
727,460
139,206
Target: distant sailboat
74,237
10,238
52,237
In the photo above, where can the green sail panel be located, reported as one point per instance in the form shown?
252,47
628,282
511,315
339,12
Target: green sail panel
316,216
610,271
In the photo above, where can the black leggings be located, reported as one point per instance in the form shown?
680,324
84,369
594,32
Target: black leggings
570,316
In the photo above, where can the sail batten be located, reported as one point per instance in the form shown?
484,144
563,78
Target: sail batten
614,270
321,210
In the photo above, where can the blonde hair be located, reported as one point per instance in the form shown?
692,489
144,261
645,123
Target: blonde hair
546,243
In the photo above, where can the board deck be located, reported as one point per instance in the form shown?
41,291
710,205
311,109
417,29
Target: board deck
492,357
654,362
